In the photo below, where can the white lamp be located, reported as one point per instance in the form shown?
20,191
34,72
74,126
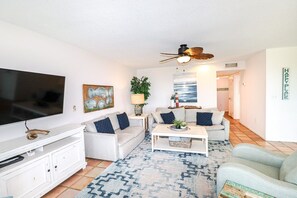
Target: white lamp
137,100
183,59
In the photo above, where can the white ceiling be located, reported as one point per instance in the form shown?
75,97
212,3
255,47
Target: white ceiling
134,32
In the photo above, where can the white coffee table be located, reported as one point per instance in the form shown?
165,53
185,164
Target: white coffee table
197,133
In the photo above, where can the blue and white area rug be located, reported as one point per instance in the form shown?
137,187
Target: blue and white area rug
144,173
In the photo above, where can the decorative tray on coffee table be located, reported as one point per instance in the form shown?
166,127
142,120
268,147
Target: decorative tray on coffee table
172,127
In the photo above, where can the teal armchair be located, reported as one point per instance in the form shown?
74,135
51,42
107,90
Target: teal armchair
255,167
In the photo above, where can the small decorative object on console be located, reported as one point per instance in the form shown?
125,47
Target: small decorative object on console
32,133
192,107
176,100
172,100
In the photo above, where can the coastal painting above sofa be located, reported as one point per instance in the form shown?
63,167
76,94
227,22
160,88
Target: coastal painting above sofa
219,130
97,97
185,84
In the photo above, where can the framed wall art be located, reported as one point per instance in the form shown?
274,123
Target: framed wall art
97,97
185,85
285,83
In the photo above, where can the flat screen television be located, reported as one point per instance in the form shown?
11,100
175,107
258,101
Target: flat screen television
28,95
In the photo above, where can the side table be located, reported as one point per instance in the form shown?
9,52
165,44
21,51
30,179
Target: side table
143,117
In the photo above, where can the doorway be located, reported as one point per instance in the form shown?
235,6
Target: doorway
228,92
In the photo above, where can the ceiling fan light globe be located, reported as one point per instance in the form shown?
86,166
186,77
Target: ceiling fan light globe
183,59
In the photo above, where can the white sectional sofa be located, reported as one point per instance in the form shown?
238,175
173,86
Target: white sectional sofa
112,146
218,131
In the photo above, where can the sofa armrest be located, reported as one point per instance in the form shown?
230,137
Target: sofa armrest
151,121
226,124
254,179
258,154
101,146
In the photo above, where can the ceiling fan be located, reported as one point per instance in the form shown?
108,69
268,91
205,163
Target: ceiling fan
185,54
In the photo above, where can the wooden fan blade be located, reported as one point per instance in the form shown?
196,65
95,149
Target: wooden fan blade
168,54
193,51
162,61
203,56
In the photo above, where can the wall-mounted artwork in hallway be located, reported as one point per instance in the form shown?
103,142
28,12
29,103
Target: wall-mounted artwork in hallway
285,83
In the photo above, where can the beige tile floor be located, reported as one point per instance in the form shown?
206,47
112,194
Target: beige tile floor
241,134
73,185
238,134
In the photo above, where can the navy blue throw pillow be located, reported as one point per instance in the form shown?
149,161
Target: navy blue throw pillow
204,118
104,126
123,120
168,118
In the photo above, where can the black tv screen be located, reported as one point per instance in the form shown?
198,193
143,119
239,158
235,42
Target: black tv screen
27,95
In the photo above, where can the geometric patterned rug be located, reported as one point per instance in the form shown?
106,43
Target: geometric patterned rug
144,173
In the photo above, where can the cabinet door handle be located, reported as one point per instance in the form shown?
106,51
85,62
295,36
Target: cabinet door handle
49,170
56,166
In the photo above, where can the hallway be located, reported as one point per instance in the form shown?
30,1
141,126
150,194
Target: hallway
241,134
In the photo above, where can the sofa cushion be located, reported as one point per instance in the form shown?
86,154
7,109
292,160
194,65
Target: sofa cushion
114,120
135,131
90,126
214,127
104,126
123,120
157,117
217,117
191,114
288,165
179,114
127,134
168,118
204,118
123,138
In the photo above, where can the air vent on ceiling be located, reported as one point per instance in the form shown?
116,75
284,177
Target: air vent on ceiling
228,65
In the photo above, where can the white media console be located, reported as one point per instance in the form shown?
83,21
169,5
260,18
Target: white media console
57,156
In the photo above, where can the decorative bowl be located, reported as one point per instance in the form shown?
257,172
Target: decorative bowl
172,127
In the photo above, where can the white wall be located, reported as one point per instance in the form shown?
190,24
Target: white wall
161,79
22,49
281,115
253,94
236,96
223,95
262,108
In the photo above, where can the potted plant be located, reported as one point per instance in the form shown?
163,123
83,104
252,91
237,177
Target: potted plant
141,86
179,124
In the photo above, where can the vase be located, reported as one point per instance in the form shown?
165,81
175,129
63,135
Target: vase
138,110
172,103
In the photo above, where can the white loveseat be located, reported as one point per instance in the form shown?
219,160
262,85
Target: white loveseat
112,146
218,131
